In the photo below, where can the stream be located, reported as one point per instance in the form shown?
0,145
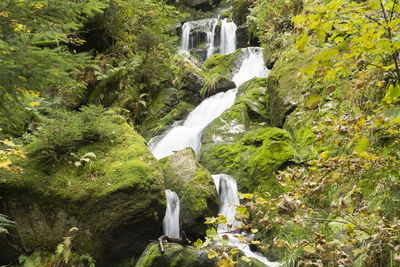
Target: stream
188,133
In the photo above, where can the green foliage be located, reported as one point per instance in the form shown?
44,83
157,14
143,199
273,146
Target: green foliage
5,223
355,37
63,256
33,46
62,132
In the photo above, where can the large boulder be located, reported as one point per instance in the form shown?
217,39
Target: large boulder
191,80
118,205
183,256
252,159
217,83
195,188
175,255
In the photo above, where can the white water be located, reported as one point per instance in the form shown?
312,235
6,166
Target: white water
228,37
185,49
210,38
228,197
189,133
171,219
207,26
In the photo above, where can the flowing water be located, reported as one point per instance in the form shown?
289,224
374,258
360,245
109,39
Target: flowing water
228,37
188,134
171,219
198,37
228,198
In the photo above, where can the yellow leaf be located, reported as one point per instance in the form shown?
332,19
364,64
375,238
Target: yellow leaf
325,155
32,104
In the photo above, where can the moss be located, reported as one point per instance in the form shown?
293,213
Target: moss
222,64
175,255
195,188
158,125
251,160
227,14
125,189
240,11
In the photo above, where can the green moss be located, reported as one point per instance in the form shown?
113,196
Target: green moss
240,11
251,160
157,124
174,255
195,188
121,162
222,64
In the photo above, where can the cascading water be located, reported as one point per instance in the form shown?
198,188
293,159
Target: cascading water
171,218
228,37
228,197
188,134
211,39
194,33
185,48
198,37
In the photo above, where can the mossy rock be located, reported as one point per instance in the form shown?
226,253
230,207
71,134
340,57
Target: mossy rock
195,188
227,14
156,125
163,111
117,206
183,256
175,255
229,127
251,160
217,83
240,11
190,82
225,65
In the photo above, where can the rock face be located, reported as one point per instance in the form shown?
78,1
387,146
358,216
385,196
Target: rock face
117,207
195,188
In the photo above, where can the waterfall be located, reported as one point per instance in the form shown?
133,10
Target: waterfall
228,197
195,33
185,49
198,37
189,133
171,219
228,37
210,38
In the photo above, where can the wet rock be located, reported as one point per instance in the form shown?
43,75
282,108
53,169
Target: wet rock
195,188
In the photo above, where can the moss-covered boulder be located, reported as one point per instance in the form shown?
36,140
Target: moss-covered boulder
195,188
183,256
190,82
225,65
117,204
217,83
175,255
252,159
251,108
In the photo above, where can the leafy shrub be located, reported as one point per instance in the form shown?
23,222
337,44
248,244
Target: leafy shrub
62,132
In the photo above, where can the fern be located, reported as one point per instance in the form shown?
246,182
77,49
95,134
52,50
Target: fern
5,223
